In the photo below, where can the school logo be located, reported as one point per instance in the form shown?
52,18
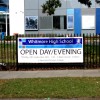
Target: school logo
78,41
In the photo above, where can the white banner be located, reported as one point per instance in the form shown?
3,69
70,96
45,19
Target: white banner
50,50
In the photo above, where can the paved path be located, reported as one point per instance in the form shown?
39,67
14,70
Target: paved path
49,73
55,99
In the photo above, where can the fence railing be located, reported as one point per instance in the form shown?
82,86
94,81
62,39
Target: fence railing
9,57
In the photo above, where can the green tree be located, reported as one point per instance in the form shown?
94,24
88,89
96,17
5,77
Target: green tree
86,2
50,6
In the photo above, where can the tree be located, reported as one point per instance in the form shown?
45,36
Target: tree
97,1
50,6
86,2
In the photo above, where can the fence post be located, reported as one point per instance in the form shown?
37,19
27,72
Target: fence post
93,50
90,51
96,52
17,52
84,50
99,51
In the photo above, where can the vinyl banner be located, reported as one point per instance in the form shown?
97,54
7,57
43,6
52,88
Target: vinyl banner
50,50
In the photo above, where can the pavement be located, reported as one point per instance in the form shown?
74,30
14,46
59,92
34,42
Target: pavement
55,99
49,73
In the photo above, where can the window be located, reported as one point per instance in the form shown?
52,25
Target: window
70,22
59,22
4,5
88,22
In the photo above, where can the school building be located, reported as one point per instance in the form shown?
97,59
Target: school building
26,17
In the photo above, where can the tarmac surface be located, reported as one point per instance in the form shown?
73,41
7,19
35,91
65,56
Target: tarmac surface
56,99
47,74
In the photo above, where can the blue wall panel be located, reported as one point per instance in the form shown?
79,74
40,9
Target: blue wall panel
70,11
77,21
97,20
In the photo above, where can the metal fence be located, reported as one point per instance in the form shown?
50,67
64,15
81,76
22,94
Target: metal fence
9,53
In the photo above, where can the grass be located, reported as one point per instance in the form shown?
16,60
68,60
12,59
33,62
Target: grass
50,88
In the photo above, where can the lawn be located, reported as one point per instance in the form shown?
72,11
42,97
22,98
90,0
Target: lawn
50,88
